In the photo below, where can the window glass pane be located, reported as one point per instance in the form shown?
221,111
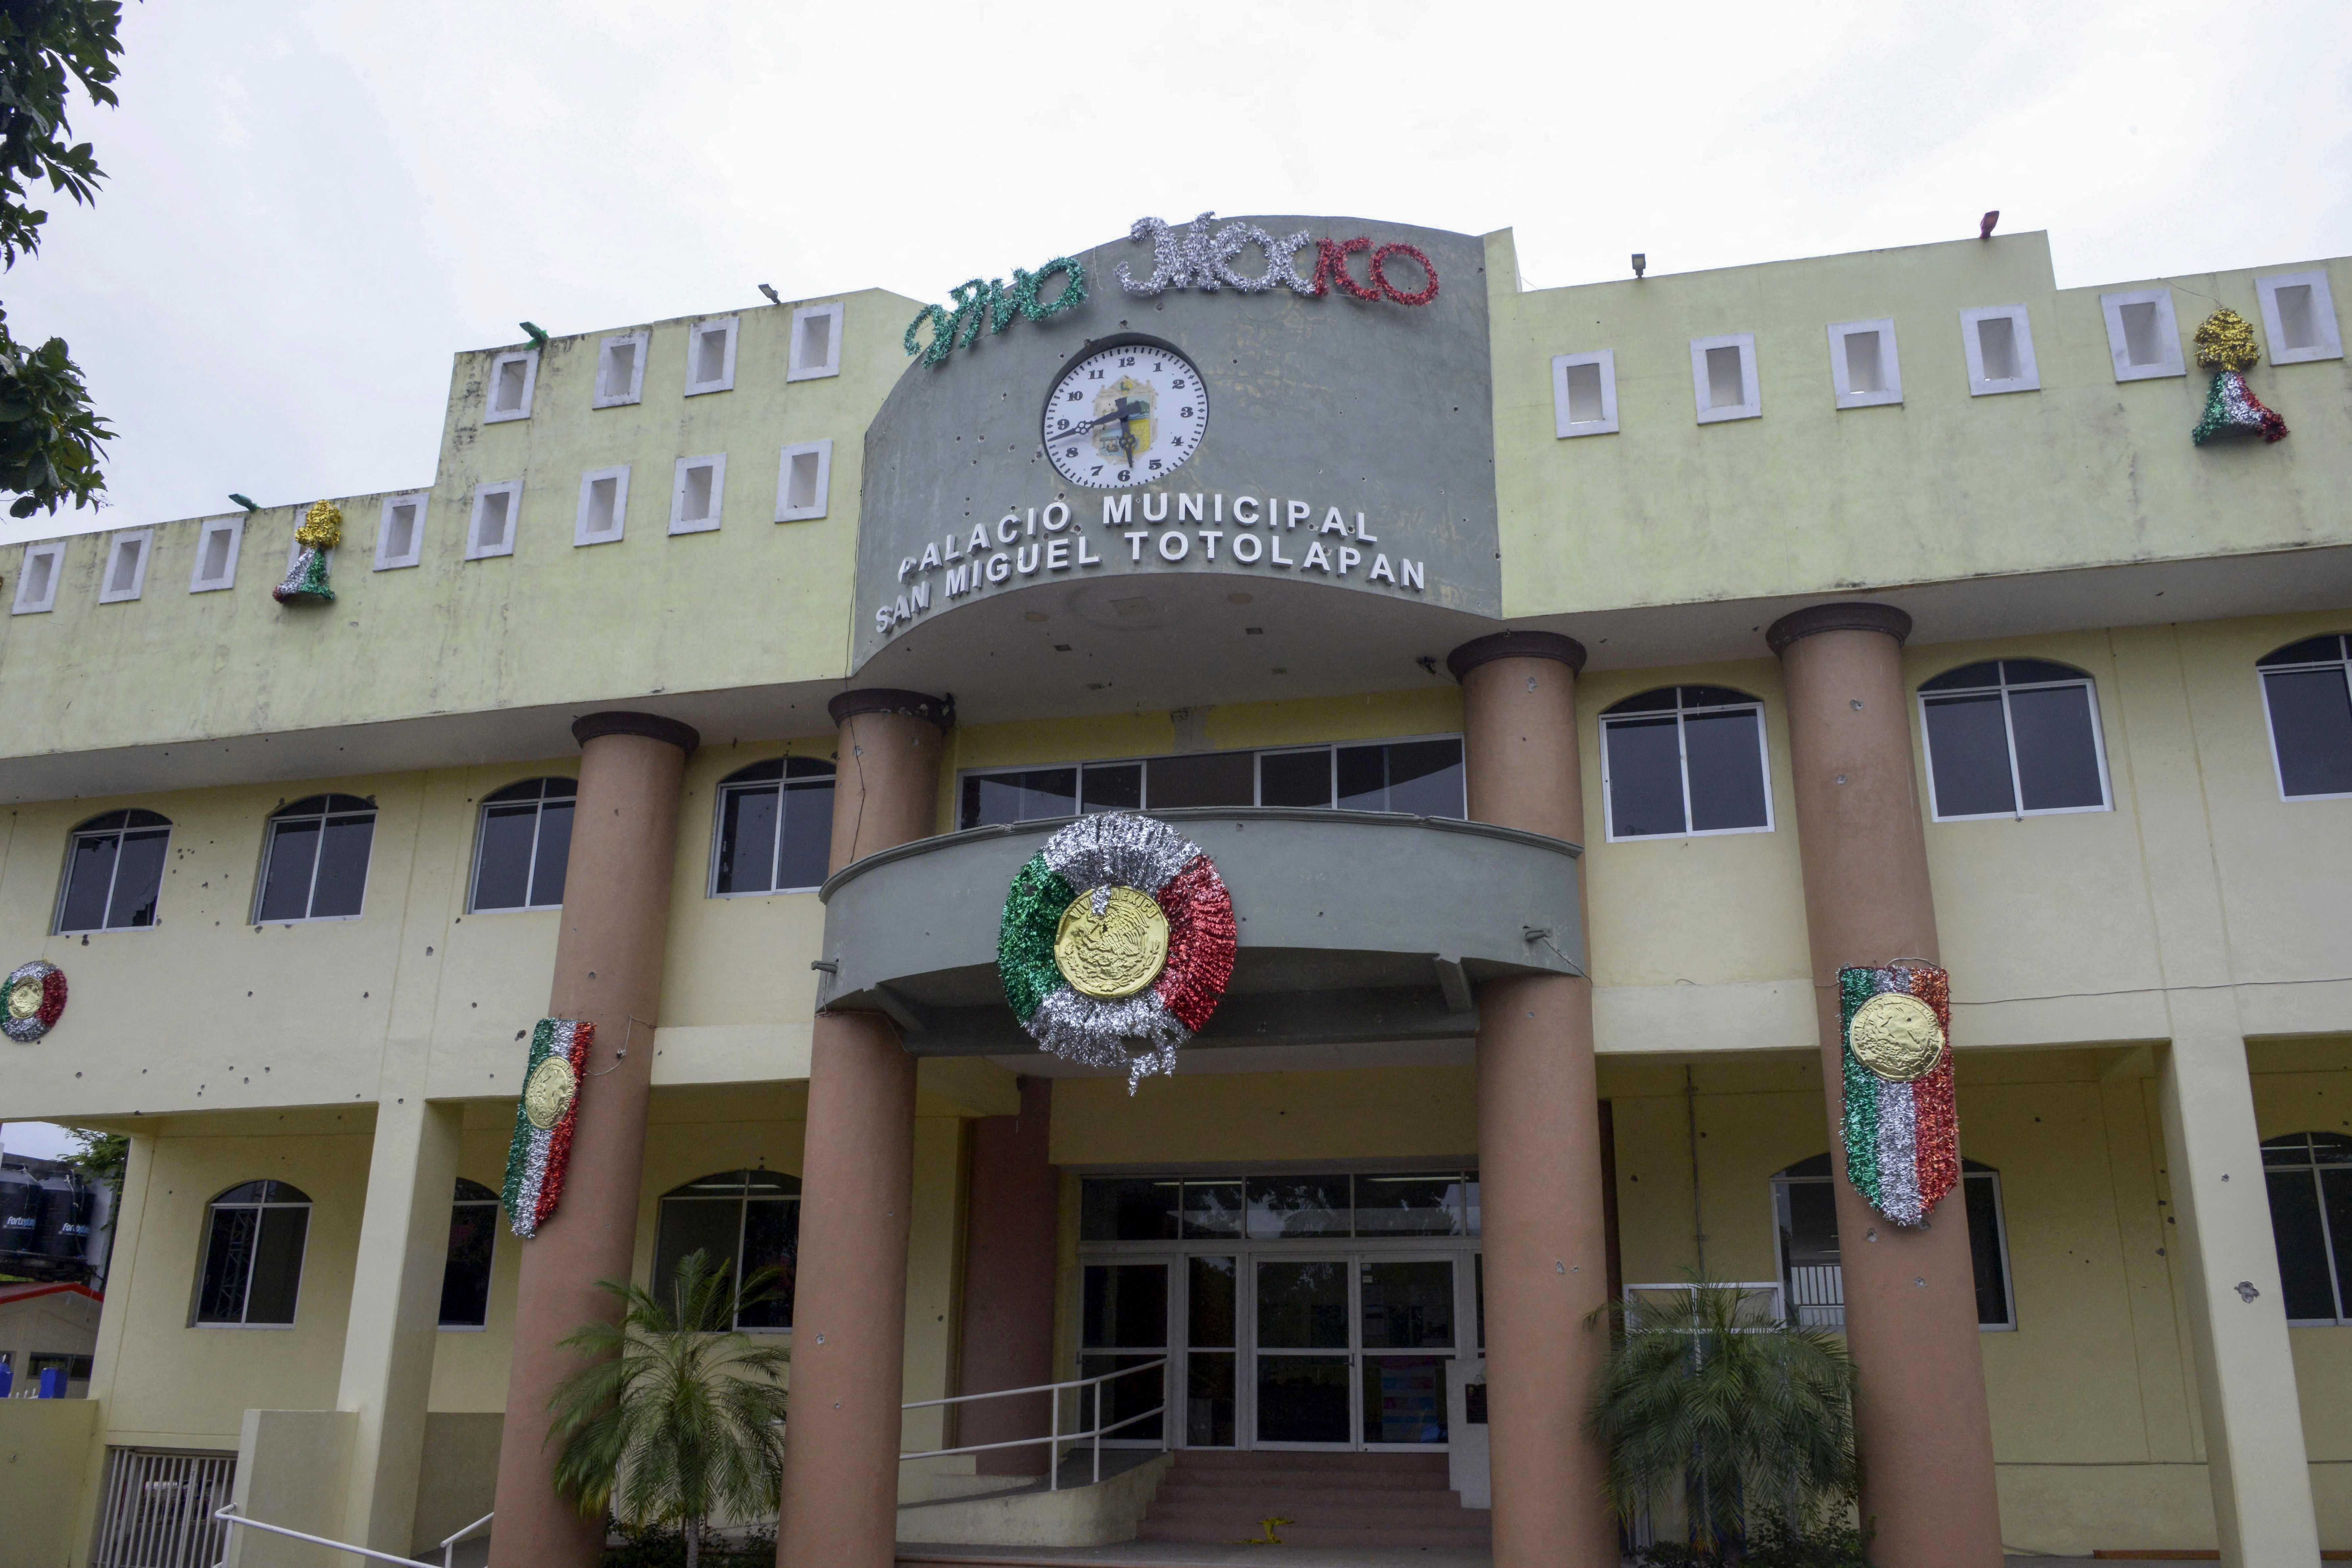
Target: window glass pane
343,867
1967,676
993,799
1126,1208
228,1258
138,880
1209,778
688,1225
89,868
502,866
1209,1401
1425,778
1968,748
1124,1400
276,1265
1408,1205
1727,769
2310,650
1303,1305
746,839
1295,778
554,854
1712,697
1213,1209
466,1278
285,893
1363,778
2293,1150
1809,1224
1661,700
2057,754
1302,1399
808,836
1408,1306
1646,776
1297,1206
1404,1399
2311,721
1209,1306
771,1239
1117,786
1126,1307
1984,1247
2025,671
2335,1188
2302,1253
1470,1203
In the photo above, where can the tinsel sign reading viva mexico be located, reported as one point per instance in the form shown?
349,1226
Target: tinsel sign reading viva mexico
1265,405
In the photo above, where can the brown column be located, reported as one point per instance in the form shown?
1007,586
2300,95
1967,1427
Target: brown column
1920,1416
1008,1280
608,971
849,1321
1539,1159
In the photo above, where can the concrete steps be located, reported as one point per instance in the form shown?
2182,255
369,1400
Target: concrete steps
1366,1500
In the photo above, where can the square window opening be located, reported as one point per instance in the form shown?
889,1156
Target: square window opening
816,340
400,532
214,563
1584,393
1996,348
2298,325
1725,386
602,514
1864,371
491,531
37,584
2141,345
710,355
620,370
801,490
508,397
122,582
695,507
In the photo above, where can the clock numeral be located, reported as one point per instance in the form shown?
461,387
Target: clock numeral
1094,471
1076,396
1071,453
1122,476
1155,462
1124,363
1185,413
1178,383
1157,367
1093,375
1066,423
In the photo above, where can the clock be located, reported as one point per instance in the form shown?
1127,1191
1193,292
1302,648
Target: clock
1126,415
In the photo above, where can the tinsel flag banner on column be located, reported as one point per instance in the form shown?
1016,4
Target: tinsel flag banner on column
541,1149
1902,1133
306,582
2225,342
1118,931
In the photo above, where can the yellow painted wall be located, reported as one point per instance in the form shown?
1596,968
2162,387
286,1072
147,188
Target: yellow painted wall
42,1442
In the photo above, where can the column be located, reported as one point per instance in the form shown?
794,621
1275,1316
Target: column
1920,1417
608,971
387,1376
849,1323
1007,1340
1546,1239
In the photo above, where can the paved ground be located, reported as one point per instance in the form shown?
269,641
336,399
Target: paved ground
1182,1555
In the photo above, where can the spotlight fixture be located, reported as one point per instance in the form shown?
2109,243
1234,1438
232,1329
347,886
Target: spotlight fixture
243,501
1641,263
1984,224
538,334
770,291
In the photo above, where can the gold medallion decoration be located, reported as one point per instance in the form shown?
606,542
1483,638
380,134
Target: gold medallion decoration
25,999
1897,1037
32,1000
550,1090
1111,943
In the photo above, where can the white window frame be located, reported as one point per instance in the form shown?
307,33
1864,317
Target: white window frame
1999,1228
789,513
598,396
385,561
475,549
234,528
2312,1168
1682,750
717,463
2018,811
1745,343
2270,726
2323,316
144,541
538,820
2029,373
694,335
1564,427
530,358
581,533
798,369
245,1298
106,906
2168,331
52,550
782,786
310,896
1890,364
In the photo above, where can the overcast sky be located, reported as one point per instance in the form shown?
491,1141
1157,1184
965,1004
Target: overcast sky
310,208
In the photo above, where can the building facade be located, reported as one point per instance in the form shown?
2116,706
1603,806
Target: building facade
1566,686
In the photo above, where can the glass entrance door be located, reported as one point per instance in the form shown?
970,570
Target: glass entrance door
1406,1333
1123,1322
1350,1350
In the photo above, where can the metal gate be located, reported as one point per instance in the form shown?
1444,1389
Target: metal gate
159,1508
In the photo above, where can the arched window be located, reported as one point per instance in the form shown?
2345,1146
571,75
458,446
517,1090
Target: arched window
315,865
2012,737
1683,761
749,1220
2308,689
775,828
1805,1211
473,1239
254,1235
114,873
523,845
2310,1180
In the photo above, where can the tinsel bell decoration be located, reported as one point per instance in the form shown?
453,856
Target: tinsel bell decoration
322,530
2225,344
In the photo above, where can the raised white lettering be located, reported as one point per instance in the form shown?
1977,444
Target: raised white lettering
1316,559
1411,572
1152,516
1117,508
1026,558
1380,572
978,543
1188,507
1221,506
1182,541
1055,524
882,618
1248,520
1057,555
1134,544
1087,557
1359,530
959,579
1348,556
930,557
1256,548
1209,537
949,550
1333,522
1299,512
921,597
1008,528
905,566
1274,547
1000,567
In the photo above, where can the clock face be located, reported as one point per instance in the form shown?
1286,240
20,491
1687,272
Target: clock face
1126,416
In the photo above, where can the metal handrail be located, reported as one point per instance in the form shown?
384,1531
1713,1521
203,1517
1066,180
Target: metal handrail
1057,1438
228,1514
450,1543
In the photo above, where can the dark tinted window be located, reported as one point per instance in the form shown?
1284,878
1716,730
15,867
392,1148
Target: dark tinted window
2310,715
2309,1177
114,872
466,1276
1207,778
2012,737
1812,1274
1295,778
1300,1206
749,1220
1036,795
252,1270
1112,786
1128,1208
525,839
1685,759
315,865
776,826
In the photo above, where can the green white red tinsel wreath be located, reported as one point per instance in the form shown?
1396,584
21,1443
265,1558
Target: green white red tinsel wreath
1123,865
34,998
1902,1129
541,1151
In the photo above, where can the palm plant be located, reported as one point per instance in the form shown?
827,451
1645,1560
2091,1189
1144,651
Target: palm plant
1701,1398
680,1415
